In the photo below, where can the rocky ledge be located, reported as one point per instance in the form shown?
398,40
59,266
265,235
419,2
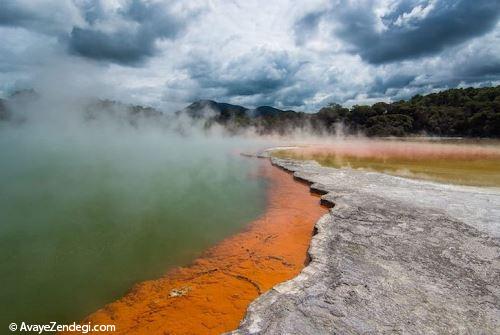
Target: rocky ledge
393,256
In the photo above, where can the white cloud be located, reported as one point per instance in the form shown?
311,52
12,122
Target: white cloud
418,12
248,52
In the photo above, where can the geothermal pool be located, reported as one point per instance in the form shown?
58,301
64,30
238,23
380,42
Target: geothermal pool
86,214
464,162
88,211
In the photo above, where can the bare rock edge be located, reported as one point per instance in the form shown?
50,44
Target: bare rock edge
393,256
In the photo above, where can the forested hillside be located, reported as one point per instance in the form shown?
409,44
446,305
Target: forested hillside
469,112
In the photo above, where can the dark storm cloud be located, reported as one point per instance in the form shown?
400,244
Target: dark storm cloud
261,74
11,14
382,84
129,37
272,71
412,29
33,16
127,47
92,10
449,23
130,45
478,65
480,69
306,26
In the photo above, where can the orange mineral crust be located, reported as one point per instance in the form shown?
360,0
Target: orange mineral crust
211,295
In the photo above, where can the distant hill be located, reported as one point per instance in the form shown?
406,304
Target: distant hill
4,115
225,111
91,110
130,113
217,110
463,112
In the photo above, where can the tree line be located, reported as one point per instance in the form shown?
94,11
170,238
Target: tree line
464,112
461,112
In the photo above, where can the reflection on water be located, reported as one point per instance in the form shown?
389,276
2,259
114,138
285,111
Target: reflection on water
85,216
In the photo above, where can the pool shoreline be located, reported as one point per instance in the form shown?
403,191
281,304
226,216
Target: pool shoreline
389,257
212,294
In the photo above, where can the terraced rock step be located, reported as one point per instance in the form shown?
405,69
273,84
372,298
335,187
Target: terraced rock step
393,256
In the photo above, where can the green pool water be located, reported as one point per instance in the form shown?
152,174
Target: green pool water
85,215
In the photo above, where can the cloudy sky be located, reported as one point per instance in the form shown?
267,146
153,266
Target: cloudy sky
293,54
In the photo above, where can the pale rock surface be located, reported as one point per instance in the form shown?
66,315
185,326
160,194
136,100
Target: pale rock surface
394,256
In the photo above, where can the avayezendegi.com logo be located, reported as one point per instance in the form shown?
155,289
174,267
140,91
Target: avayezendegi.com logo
53,327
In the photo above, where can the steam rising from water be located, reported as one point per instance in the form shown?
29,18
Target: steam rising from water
410,149
457,161
91,205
